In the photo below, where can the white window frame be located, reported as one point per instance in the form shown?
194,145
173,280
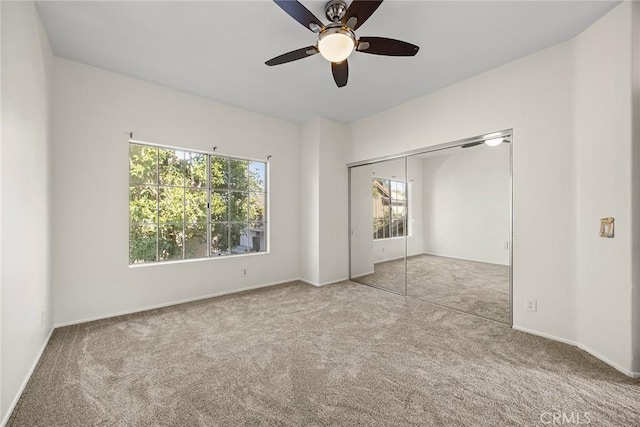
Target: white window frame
209,190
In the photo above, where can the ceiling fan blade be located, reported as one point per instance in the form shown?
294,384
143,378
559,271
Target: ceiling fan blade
471,144
301,14
385,46
361,10
340,72
293,56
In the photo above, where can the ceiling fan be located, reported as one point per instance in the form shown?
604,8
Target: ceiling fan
337,40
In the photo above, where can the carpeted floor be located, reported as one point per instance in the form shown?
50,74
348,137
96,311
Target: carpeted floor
473,287
340,355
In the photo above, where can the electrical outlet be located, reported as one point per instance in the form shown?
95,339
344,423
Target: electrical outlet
43,317
245,271
531,305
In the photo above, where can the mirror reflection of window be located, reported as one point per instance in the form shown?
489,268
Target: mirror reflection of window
389,208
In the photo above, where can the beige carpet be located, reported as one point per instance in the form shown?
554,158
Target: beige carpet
296,355
473,287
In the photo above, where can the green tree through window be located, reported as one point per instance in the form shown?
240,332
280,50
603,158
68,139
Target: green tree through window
185,205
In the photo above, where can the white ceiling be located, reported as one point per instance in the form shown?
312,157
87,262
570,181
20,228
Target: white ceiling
217,49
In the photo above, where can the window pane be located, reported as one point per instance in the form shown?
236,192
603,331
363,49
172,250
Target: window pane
142,243
143,204
381,228
256,237
195,241
256,207
398,190
220,206
380,188
195,205
196,170
239,205
171,167
239,240
399,210
257,176
239,174
170,241
379,208
397,228
219,172
143,164
219,239
171,204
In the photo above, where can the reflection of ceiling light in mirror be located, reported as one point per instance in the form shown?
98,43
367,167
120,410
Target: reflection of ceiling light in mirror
492,135
494,141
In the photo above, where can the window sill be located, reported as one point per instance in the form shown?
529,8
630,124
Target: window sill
390,238
183,261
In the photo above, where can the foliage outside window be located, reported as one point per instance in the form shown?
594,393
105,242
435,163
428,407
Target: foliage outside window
187,205
389,208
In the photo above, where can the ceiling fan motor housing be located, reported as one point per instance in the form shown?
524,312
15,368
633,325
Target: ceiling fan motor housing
335,10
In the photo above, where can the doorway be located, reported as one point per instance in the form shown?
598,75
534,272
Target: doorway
436,224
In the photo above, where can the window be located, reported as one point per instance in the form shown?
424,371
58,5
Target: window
187,205
389,208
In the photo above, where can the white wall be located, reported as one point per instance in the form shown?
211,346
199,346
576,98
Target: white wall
362,258
603,134
467,200
537,96
93,112
334,237
309,208
25,196
415,175
635,331
323,176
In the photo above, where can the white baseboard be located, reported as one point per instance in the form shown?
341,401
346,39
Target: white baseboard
363,274
168,304
464,259
316,284
26,380
380,261
595,354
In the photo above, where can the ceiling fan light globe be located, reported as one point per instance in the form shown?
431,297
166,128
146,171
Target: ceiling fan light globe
336,46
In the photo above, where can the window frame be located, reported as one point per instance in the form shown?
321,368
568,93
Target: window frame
208,188
387,183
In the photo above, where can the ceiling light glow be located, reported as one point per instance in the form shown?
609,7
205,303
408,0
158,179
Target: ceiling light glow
494,141
492,135
336,44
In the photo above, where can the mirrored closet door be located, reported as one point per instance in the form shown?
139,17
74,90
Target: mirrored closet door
436,225
378,220
459,253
